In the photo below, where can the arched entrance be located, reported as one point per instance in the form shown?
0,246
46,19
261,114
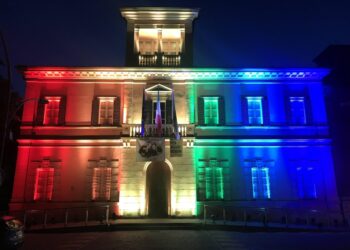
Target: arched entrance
158,189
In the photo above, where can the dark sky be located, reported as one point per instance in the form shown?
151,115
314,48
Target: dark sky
236,33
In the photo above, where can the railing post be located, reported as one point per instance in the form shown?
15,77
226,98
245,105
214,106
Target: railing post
107,215
45,218
224,215
25,219
287,219
245,217
86,216
66,217
205,214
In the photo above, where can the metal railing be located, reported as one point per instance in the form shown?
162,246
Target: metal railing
214,214
65,216
148,60
134,130
171,60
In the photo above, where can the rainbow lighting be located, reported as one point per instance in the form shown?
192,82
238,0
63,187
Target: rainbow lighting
250,137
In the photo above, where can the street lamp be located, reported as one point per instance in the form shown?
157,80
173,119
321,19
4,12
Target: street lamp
8,121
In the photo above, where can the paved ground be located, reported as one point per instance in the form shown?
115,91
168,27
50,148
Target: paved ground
186,239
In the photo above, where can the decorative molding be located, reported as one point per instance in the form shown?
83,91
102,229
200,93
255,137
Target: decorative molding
198,74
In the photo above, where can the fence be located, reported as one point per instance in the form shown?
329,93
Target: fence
270,216
65,216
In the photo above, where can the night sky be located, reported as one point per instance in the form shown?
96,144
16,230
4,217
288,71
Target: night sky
236,33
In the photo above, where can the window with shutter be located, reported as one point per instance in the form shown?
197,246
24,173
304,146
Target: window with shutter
51,110
105,111
297,110
255,110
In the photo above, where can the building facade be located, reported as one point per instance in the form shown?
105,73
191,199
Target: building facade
251,137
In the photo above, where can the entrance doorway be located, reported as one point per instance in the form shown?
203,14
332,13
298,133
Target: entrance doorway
158,189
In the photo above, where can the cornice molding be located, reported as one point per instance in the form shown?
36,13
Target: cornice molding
183,74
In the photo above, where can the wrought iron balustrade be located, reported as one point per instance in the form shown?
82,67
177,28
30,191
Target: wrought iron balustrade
134,130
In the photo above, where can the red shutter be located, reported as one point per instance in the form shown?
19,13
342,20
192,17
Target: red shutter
116,111
62,111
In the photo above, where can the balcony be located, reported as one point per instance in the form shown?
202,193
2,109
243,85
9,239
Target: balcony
154,60
134,130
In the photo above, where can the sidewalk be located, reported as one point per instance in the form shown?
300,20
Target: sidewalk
178,224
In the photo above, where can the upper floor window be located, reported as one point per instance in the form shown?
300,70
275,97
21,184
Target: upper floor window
211,110
106,111
43,186
297,110
163,109
306,183
260,182
255,110
51,110
105,114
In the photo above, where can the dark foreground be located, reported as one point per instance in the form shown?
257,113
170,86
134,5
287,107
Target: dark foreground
186,239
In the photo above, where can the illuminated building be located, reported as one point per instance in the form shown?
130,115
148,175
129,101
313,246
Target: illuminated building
251,137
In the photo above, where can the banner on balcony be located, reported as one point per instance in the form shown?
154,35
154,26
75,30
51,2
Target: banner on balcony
150,149
175,147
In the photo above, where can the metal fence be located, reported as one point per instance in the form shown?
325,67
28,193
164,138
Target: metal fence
64,216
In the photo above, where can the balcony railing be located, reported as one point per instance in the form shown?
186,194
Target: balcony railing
148,60
134,130
171,60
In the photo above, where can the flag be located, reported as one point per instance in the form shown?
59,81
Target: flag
143,115
158,118
174,118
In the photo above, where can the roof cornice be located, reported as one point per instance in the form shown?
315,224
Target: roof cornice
186,74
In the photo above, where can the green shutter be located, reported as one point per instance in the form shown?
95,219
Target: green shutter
221,110
168,108
244,105
265,111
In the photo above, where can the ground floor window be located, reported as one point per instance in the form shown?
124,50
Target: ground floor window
43,187
101,183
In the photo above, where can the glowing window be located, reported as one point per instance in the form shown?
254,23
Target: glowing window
101,183
148,41
214,182
306,183
260,183
297,110
106,108
171,41
43,186
255,110
51,110
211,110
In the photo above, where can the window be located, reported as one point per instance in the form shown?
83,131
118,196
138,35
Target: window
101,183
255,110
260,183
162,111
106,107
297,110
211,181
43,184
51,110
211,110
306,183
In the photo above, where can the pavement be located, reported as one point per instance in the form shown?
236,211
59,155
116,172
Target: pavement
179,224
